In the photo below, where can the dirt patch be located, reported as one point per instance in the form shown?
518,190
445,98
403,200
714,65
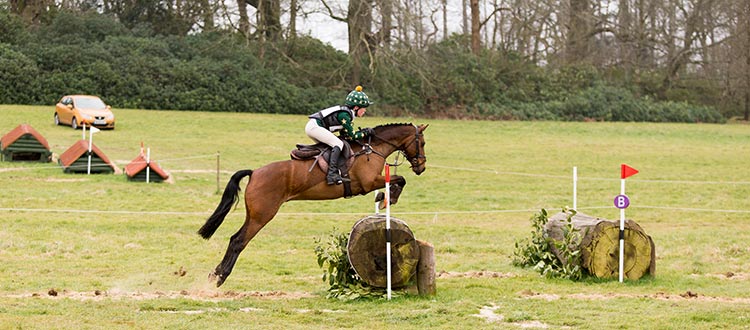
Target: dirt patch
64,180
202,295
474,274
685,296
488,314
731,276
11,169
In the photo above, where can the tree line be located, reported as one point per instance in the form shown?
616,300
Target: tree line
674,60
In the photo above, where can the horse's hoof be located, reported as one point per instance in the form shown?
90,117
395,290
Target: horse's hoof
213,277
220,281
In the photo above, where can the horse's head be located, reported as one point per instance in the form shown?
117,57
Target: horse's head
407,138
415,152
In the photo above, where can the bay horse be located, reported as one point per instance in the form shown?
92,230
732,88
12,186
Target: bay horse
274,184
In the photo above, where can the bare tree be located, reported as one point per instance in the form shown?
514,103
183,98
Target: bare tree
269,17
208,15
244,24
30,10
579,31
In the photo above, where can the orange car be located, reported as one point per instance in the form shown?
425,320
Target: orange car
80,110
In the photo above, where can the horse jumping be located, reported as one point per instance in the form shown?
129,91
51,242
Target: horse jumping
271,185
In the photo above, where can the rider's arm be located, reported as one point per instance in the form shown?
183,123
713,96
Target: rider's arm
346,121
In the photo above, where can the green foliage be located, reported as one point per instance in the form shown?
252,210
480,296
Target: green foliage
599,103
537,250
343,281
12,30
16,70
133,63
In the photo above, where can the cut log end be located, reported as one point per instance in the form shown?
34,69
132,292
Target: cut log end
367,252
600,245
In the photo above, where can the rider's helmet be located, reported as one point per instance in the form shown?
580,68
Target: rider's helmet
357,98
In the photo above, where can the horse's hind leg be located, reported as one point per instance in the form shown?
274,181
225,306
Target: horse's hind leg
236,244
254,222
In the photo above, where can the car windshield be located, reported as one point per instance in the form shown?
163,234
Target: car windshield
90,103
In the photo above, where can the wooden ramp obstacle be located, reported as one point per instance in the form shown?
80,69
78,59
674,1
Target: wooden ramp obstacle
137,170
24,143
75,159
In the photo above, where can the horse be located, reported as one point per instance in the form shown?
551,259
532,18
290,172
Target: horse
272,185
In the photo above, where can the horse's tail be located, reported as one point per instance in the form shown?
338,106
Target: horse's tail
228,199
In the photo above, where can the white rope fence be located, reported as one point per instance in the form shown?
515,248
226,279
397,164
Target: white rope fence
120,162
435,213
293,214
589,178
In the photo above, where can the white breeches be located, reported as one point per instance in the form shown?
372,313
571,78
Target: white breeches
321,134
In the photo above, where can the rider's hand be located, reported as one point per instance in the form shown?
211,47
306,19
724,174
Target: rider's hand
368,131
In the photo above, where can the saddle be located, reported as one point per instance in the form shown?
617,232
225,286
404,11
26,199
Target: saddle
320,151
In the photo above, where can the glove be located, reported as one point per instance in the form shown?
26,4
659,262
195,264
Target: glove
368,131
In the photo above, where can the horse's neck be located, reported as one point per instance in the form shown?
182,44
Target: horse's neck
385,149
388,146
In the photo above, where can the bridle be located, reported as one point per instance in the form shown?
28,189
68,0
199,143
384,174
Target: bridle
413,160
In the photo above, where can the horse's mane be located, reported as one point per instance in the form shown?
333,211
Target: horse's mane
382,129
392,124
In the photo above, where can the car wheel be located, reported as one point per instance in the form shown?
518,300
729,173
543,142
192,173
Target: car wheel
74,123
57,119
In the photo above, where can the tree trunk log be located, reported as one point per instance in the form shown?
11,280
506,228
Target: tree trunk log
599,245
367,255
426,269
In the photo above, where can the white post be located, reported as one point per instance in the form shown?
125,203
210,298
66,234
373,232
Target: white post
91,143
622,233
148,164
83,132
388,227
575,188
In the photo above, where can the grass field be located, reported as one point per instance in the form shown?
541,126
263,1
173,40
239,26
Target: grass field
124,255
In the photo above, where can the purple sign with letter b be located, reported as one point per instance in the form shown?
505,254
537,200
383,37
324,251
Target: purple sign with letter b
622,201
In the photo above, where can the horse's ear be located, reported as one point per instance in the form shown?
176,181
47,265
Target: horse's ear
423,127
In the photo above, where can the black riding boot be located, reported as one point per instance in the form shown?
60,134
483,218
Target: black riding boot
334,176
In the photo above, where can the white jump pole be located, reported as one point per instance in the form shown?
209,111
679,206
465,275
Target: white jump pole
622,233
388,227
622,202
575,188
92,130
148,164
91,143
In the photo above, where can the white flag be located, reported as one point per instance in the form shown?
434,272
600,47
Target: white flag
94,130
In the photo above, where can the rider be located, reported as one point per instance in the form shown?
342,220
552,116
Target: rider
323,123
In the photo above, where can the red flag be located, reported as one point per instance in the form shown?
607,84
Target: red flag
626,171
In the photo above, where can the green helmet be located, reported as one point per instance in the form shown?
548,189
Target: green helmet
357,98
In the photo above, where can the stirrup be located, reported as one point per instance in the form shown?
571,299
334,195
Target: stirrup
334,180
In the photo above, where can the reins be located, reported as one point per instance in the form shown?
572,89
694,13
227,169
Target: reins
367,149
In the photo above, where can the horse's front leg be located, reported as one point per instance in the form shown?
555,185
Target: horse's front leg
396,186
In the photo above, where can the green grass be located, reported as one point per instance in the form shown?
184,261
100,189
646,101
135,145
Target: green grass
78,234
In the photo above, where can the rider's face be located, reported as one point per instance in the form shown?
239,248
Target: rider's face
360,111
